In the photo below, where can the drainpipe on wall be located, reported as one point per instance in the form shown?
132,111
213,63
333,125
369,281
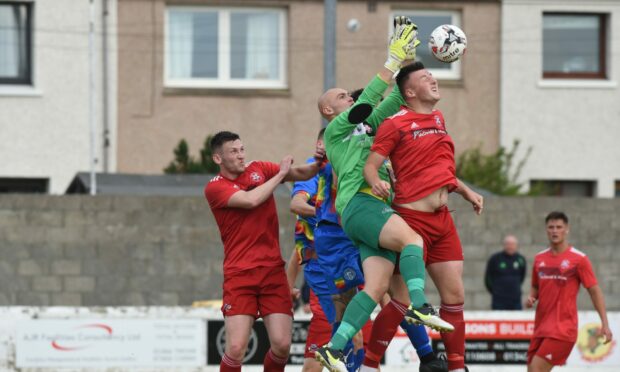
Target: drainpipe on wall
104,86
91,101
329,41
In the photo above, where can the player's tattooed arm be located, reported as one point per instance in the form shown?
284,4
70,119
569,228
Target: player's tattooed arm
598,300
476,200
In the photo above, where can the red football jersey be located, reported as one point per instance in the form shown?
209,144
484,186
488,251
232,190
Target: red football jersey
557,278
250,236
421,152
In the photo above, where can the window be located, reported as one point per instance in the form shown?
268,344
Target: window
574,45
225,47
15,43
562,188
427,21
24,185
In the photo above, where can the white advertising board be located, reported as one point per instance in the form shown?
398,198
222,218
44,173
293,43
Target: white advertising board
496,338
111,342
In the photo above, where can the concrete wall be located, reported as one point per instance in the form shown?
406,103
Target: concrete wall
111,251
45,127
152,118
570,124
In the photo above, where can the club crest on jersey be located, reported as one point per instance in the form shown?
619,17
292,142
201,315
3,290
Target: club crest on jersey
349,274
437,121
565,264
255,177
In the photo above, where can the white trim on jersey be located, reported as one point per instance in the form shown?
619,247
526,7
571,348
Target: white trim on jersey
575,250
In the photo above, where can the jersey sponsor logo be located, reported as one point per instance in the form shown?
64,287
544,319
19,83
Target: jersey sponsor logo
255,177
216,178
236,187
545,276
541,264
549,356
414,125
592,347
424,132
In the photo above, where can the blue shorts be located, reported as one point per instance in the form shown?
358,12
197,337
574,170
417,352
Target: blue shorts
316,279
338,258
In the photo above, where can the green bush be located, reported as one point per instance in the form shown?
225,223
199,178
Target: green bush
185,163
493,172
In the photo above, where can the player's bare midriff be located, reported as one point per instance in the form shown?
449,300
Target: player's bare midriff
429,203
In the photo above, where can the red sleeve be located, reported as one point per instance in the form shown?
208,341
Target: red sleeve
270,169
218,193
586,274
535,275
386,139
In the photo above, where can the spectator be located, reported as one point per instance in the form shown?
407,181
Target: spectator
504,275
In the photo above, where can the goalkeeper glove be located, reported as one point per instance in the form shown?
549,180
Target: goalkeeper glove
402,43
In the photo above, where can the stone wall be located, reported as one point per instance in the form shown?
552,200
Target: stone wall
111,250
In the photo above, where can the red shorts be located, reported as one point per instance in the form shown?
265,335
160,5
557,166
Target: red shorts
320,331
257,292
441,241
552,350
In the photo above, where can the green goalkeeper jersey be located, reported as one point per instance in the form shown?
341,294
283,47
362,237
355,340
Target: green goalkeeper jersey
348,144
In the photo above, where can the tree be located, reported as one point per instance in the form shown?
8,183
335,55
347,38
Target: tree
493,172
185,163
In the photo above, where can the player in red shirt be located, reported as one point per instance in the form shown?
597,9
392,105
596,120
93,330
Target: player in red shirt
255,284
422,156
558,272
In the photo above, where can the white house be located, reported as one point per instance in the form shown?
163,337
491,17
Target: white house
560,65
45,92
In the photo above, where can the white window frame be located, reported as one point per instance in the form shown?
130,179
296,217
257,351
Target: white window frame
224,81
455,71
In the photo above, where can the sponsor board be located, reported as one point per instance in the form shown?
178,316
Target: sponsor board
110,342
258,344
504,337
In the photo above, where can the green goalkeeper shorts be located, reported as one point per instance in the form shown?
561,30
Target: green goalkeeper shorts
362,221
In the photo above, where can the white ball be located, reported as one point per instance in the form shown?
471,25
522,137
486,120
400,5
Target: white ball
353,25
447,43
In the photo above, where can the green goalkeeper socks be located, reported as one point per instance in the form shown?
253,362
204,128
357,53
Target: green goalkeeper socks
412,269
355,316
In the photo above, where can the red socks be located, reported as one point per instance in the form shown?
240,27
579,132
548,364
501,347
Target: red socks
229,365
274,363
383,330
454,341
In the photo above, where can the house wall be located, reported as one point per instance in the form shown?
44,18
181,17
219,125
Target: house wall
571,125
45,127
153,118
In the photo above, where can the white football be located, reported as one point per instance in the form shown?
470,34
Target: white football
447,43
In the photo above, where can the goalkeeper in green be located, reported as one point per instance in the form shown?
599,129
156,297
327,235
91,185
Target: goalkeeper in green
367,219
